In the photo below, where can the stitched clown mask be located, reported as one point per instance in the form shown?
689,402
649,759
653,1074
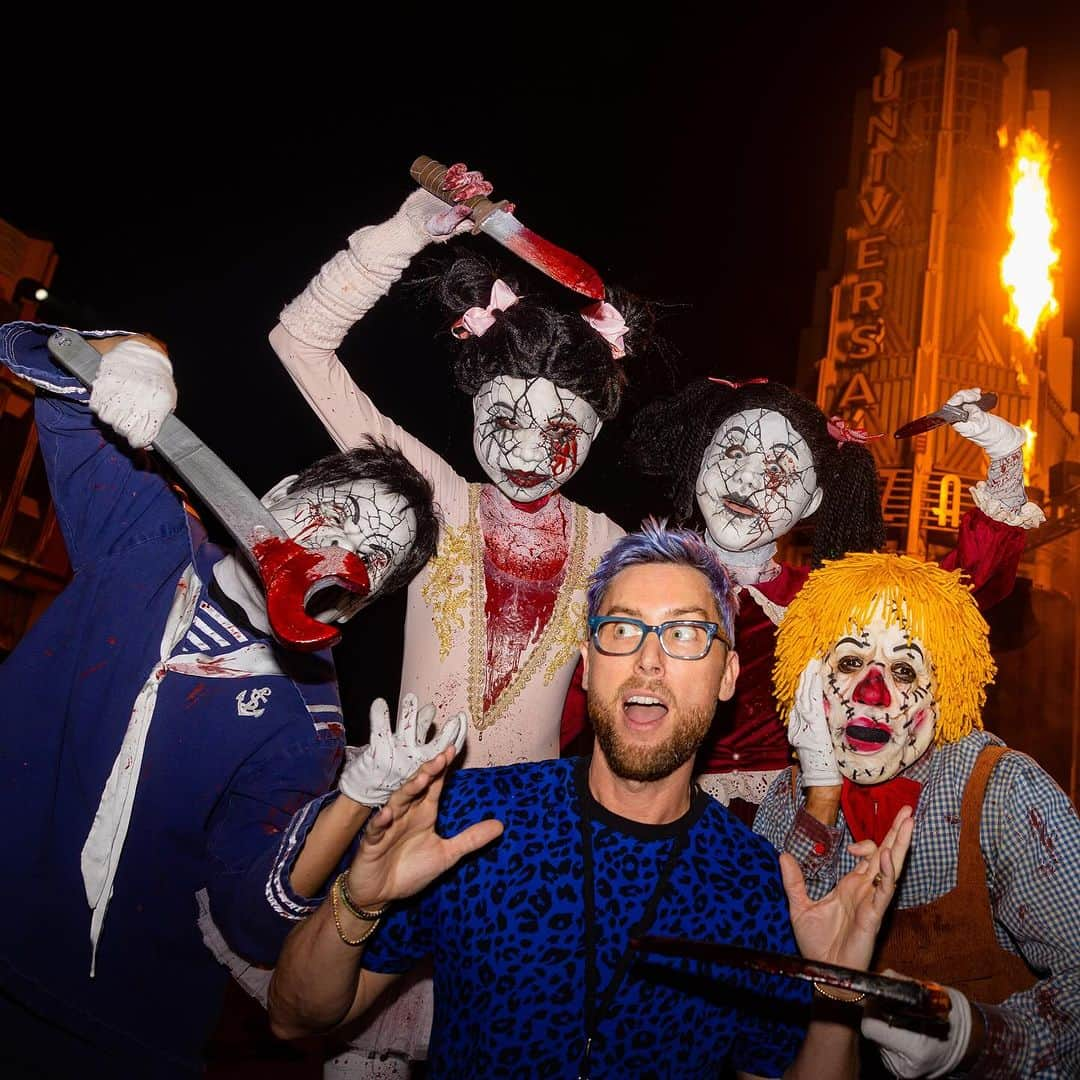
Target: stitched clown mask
757,480
880,701
530,435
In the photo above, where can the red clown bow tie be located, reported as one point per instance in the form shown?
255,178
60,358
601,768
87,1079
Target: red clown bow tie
869,809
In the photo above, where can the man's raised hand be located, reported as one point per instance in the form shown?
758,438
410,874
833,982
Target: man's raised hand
842,926
401,852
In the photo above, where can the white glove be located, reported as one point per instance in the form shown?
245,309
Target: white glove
134,391
808,730
374,772
911,1053
996,436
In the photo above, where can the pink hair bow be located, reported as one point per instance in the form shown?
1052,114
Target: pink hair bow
843,432
608,322
735,384
477,321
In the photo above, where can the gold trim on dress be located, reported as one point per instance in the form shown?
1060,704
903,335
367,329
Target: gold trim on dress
573,632
446,591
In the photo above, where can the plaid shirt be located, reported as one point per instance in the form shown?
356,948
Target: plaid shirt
1030,841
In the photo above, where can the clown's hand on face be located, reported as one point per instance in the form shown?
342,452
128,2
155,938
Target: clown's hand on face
134,391
808,731
1001,495
912,1053
374,772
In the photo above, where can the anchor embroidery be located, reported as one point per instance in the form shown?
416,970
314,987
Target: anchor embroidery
253,705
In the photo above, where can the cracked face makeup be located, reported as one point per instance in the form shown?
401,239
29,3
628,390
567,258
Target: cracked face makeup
530,436
880,699
757,480
361,516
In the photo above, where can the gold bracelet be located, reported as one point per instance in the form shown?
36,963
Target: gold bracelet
346,899
819,988
334,893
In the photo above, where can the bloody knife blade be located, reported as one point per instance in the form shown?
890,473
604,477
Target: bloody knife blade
897,997
499,223
291,574
947,414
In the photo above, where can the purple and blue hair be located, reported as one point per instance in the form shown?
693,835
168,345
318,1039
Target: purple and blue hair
656,543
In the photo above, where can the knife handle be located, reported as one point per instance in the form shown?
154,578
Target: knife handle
430,175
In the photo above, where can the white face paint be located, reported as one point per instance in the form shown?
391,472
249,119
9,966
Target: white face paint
361,516
757,480
530,435
880,700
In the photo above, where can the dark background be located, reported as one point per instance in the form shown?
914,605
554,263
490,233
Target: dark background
194,172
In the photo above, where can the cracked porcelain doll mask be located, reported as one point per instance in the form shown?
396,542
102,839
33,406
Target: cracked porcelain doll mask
757,480
359,515
530,435
880,700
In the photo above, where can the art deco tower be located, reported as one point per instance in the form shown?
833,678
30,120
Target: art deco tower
912,307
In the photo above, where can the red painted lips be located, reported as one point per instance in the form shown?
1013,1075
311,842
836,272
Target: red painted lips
525,479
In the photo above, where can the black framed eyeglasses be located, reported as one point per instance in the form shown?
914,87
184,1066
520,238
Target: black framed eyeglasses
681,639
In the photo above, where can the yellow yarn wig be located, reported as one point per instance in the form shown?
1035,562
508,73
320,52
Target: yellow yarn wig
933,605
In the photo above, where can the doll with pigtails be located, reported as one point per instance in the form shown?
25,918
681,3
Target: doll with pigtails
494,622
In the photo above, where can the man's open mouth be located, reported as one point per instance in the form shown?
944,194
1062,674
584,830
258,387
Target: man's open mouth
643,710
866,737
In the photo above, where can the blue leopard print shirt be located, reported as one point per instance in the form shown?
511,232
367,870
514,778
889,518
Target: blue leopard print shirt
505,928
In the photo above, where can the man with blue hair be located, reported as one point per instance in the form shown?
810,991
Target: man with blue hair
529,918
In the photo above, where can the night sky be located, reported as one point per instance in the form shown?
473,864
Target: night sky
193,183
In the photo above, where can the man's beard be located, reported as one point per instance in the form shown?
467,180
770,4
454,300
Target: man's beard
648,762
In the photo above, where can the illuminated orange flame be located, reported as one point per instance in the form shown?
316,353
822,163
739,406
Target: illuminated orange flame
1030,435
1028,266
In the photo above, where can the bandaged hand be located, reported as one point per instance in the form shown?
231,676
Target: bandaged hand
808,730
996,436
134,391
374,772
912,1053
433,219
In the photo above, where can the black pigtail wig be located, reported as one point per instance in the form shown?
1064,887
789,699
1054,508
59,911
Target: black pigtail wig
669,438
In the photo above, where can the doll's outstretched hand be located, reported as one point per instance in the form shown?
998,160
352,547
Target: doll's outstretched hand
995,435
374,772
